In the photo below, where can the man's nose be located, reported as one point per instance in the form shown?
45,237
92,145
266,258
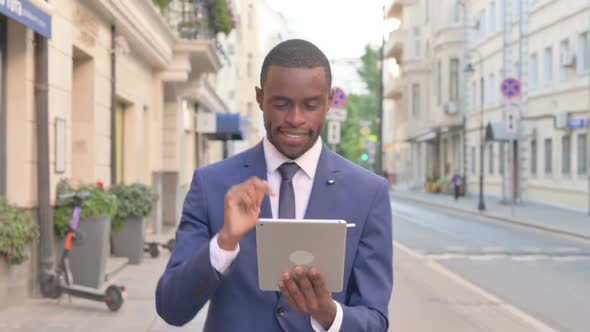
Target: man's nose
295,116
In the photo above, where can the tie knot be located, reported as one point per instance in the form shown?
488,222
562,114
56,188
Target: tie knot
288,170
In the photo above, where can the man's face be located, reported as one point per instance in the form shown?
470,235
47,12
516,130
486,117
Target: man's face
294,102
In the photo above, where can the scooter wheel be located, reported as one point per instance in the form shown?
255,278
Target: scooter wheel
114,298
154,251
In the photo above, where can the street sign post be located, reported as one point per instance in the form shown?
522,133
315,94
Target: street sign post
337,114
333,133
512,121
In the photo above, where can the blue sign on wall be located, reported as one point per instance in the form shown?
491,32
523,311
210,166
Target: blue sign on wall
577,123
26,13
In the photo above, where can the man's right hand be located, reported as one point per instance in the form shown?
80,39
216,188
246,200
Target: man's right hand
242,208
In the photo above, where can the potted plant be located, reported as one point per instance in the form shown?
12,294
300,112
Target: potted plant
89,257
17,231
221,16
135,202
443,185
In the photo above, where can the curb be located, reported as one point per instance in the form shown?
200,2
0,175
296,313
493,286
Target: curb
492,216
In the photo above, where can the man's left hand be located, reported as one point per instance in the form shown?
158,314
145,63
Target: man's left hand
306,292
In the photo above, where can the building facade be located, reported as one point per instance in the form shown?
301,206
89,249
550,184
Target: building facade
445,107
109,91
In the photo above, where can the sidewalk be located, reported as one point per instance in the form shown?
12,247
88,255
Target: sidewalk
533,215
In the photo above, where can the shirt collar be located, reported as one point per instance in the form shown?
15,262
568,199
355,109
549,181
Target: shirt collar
307,161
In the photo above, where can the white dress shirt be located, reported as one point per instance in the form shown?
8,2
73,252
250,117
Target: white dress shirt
302,183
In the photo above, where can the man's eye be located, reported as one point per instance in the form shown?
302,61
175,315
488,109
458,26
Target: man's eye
310,107
282,106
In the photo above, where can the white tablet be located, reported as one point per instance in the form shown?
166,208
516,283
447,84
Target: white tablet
284,243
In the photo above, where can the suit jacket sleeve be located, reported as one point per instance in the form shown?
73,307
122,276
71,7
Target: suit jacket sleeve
189,280
372,272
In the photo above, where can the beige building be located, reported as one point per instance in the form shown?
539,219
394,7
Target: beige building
113,95
436,108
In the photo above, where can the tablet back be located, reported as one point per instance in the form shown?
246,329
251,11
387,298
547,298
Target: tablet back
283,243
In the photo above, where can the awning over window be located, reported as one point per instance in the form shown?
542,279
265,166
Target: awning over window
228,127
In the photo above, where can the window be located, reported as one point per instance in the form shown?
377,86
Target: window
533,75
548,156
565,155
482,87
584,52
473,160
250,17
492,89
564,50
502,157
582,154
415,99
482,24
439,83
474,95
491,159
534,157
417,42
548,64
493,17
249,67
456,11
454,80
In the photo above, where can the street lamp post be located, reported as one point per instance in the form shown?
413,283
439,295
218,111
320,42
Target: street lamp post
469,69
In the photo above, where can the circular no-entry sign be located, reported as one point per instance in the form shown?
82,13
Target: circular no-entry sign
511,87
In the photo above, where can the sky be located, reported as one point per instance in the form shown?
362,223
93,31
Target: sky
340,28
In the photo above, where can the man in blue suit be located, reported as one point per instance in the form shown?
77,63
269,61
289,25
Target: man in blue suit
290,174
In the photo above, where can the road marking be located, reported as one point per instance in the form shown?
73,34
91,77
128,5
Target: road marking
493,249
455,248
537,324
485,257
566,250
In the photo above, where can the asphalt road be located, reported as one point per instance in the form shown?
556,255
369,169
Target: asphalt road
545,275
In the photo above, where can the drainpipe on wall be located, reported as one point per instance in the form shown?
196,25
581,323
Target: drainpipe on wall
46,250
113,108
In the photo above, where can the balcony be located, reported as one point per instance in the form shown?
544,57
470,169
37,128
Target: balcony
394,45
393,87
394,8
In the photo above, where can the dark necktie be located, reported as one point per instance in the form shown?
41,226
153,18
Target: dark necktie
287,193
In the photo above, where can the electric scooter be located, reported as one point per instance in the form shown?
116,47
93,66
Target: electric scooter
62,281
154,247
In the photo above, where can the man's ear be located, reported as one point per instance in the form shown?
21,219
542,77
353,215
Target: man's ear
259,97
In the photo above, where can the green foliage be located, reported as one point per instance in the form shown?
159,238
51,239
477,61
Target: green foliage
135,200
97,204
220,16
162,4
17,231
362,108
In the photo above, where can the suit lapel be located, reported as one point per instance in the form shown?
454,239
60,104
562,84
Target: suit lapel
322,201
255,165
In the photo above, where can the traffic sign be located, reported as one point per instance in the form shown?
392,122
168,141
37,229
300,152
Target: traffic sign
511,87
339,99
333,132
337,114
512,121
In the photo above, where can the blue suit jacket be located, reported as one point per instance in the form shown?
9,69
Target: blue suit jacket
237,304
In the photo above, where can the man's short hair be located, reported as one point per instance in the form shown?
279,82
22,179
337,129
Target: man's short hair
296,53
